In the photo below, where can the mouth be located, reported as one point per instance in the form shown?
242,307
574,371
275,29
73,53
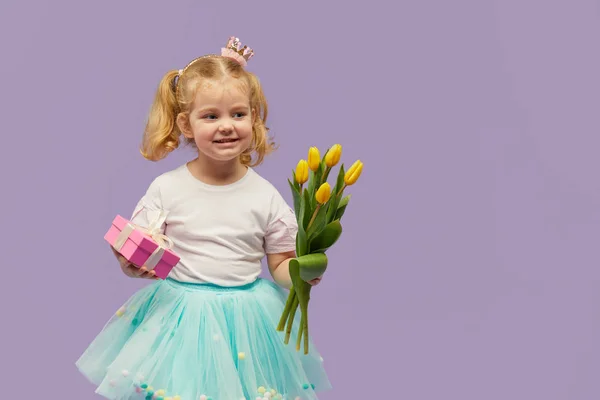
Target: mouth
225,141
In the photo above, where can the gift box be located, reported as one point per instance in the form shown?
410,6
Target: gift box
141,246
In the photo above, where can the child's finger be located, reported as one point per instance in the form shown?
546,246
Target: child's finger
147,273
132,270
142,271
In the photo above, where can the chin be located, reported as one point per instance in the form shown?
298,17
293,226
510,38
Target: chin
225,156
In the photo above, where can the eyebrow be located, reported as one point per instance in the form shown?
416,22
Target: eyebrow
241,105
213,109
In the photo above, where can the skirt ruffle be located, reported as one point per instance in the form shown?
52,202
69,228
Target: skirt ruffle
180,341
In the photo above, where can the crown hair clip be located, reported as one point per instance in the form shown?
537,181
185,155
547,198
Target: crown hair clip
235,51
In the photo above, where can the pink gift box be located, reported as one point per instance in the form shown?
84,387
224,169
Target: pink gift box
139,248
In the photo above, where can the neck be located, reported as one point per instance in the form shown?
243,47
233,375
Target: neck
217,172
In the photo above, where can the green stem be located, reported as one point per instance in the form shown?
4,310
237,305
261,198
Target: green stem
290,321
312,219
286,310
300,331
305,326
324,174
341,190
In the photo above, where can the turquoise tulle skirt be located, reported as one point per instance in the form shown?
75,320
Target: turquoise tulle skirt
180,341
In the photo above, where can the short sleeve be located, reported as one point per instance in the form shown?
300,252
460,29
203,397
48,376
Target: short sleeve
149,207
282,228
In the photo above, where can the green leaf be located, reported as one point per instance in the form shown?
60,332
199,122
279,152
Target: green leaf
344,201
326,174
296,184
321,177
340,213
342,207
339,184
308,211
303,209
316,183
309,266
301,242
327,238
311,181
296,196
335,199
302,289
324,166
326,169
319,222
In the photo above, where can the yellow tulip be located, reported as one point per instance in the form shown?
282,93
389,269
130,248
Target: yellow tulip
333,155
301,172
353,173
323,193
314,158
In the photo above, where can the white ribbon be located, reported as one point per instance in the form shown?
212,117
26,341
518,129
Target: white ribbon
153,230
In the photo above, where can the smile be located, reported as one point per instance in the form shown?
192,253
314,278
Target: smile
225,141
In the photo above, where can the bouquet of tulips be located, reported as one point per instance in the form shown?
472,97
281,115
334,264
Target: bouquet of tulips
319,210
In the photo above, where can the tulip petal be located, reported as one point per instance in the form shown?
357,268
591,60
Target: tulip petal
353,173
314,158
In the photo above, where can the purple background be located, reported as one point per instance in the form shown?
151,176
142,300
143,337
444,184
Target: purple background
470,272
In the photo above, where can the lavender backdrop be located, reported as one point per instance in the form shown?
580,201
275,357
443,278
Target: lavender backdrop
470,272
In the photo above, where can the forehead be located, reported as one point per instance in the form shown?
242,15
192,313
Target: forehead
221,90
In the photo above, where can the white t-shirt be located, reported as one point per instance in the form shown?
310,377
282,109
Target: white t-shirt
221,233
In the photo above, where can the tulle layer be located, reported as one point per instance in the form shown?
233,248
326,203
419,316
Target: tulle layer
178,341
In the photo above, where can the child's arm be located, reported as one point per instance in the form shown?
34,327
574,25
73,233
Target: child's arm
279,267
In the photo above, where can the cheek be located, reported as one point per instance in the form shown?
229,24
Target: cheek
201,131
246,128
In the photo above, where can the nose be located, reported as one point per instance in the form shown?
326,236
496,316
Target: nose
226,126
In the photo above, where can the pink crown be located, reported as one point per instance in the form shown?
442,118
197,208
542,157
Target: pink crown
235,50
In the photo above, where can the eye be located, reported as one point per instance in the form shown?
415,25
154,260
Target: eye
210,116
239,115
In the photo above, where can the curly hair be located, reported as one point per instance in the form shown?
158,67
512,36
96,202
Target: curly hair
175,95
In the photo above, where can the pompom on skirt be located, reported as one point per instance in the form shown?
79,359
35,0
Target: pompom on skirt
187,341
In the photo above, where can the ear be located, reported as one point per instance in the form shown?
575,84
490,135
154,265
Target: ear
183,123
254,115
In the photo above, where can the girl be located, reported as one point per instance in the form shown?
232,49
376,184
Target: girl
209,330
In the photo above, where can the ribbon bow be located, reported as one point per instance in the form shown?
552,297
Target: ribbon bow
153,231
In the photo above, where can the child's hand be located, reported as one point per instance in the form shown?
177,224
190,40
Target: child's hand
131,270
315,281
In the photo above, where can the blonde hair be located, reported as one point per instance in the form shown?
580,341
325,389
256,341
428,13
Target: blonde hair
175,95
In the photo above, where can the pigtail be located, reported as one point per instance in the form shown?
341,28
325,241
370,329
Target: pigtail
161,135
261,143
